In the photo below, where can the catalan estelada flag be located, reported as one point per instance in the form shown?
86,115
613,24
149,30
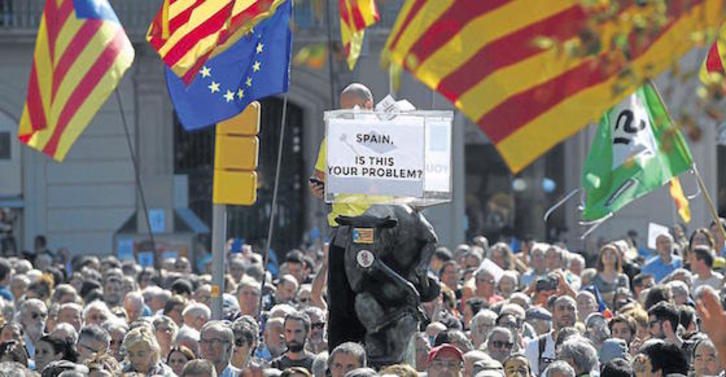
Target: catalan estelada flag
355,17
81,53
483,57
714,62
186,33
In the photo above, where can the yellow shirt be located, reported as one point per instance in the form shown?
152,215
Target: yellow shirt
352,207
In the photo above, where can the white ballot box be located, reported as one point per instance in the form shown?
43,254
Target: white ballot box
384,157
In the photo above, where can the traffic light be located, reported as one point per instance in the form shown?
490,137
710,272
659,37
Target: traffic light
235,158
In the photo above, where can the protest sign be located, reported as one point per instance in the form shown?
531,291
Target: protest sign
655,230
376,157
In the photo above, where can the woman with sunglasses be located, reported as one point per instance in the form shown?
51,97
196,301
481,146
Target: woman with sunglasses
245,330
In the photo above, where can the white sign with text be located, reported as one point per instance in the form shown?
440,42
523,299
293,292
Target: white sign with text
370,156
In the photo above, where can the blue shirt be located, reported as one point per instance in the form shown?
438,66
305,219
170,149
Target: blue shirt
6,294
659,269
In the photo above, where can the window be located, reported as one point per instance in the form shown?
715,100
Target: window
5,145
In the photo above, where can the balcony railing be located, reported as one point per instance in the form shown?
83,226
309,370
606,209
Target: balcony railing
23,16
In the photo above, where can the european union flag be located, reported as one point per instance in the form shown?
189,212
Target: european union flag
257,66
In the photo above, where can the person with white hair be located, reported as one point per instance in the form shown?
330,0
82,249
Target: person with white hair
486,283
134,305
559,368
666,261
537,263
65,331
18,285
32,315
576,263
195,315
156,297
216,342
188,337
93,340
165,331
500,343
248,296
144,355
480,326
679,291
586,304
117,329
70,313
508,283
580,354
471,358
96,313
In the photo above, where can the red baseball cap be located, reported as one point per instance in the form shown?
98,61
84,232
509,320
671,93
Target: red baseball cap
445,348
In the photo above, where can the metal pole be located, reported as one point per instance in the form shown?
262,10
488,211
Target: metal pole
219,236
137,177
709,204
329,28
273,210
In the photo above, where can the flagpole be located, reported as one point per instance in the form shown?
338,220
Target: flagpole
329,28
273,210
709,202
137,177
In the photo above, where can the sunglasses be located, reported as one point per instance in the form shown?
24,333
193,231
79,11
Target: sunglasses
318,325
35,315
502,344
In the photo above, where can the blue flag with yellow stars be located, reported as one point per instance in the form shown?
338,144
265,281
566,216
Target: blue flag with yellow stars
257,66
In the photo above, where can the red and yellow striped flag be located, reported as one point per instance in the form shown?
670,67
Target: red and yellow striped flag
355,17
684,210
81,53
714,62
482,56
186,33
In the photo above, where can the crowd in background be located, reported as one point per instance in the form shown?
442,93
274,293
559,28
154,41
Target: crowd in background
541,310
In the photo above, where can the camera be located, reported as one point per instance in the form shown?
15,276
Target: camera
548,283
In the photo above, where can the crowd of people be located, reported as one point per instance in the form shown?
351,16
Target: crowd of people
538,311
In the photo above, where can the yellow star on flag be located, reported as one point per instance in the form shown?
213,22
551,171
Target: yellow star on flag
249,81
205,71
229,96
240,93
256,66
214,87
259,47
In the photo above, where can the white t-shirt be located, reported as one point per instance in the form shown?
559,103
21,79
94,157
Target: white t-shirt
533,355
714,281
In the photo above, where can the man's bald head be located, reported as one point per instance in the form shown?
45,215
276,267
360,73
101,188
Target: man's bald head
356,94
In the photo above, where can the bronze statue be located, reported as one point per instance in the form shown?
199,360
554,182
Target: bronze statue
387,254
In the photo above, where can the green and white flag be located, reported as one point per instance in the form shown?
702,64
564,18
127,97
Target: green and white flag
636,150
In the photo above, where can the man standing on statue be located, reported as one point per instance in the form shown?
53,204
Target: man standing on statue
343,324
